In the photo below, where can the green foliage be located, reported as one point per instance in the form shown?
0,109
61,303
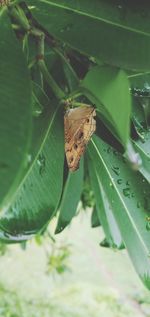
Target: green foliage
55,53
108,88
57,260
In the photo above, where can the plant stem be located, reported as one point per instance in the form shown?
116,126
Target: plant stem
20,17
74,94
47,76
64,59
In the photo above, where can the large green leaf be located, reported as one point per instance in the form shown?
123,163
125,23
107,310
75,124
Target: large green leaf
39,195
140,84
104,211
108,88
15,111
110,32
129,198
70,199
41,106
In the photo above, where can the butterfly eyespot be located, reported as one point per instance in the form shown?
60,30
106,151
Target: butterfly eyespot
81,134
71,159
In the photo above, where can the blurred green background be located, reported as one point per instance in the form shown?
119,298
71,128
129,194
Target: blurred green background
94,281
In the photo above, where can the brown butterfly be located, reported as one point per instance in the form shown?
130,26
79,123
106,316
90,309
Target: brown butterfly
79,126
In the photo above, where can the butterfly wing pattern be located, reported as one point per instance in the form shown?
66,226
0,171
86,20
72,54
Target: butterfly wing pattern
79,126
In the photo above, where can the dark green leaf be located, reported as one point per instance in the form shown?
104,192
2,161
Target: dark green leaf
140,84
70,198
104,211
95,222
15,112
109,32
104,243
108,88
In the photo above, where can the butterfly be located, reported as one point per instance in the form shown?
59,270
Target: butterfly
79,125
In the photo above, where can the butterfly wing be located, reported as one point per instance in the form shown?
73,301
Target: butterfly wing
79,126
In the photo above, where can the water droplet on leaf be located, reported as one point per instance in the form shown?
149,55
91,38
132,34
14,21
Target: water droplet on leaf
116,170
66,28
128,183
126,192
41,162
119,181
108,149
29,158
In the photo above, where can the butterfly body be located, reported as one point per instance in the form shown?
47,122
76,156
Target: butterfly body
79,126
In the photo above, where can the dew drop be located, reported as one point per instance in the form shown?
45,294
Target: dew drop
37,107
115,153
126,192
119,181
29,158
66,28
116,170
128,183
108,150
92,59
41,162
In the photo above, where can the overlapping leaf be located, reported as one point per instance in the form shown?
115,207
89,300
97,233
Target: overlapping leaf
15,111
108,88
70,199
104,211
128,195
110,32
